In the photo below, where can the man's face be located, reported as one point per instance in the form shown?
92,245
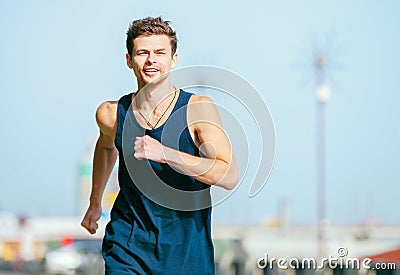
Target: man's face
151,57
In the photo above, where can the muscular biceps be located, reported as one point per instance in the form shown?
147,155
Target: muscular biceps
204,119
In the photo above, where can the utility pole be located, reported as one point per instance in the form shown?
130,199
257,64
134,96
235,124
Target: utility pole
322,95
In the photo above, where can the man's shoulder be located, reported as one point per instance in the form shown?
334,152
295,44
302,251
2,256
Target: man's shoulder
200,99
107,108
202,108
106,116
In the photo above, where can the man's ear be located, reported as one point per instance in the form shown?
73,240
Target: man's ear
174,60
129,61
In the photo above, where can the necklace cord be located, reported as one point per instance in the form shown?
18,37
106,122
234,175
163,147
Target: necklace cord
148,122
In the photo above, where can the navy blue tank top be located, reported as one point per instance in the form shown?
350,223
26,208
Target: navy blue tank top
149,232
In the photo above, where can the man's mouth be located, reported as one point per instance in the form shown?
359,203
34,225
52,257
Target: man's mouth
150,71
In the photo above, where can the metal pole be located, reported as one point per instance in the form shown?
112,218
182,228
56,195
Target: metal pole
322,94
321,177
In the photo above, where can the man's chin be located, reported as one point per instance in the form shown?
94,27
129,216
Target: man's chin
154,80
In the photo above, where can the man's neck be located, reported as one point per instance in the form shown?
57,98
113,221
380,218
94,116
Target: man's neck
149,96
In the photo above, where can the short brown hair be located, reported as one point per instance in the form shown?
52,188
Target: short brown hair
150,26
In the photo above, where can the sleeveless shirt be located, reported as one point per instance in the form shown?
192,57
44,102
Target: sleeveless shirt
143,236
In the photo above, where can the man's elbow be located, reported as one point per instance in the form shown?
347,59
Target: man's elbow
232,182
229,181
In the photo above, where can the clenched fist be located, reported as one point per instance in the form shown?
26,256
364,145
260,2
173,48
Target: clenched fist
147,147
89,222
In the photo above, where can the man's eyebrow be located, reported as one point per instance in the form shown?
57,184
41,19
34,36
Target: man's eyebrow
156,50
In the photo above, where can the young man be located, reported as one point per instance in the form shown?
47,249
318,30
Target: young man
144,236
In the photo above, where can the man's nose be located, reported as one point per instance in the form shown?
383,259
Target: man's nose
151,58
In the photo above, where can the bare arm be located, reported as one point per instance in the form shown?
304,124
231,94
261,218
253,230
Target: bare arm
218,167
105,155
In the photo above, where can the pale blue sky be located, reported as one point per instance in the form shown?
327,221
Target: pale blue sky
61,59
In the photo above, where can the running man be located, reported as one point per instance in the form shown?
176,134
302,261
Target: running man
143,236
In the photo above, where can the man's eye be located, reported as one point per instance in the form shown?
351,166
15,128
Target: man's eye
161,53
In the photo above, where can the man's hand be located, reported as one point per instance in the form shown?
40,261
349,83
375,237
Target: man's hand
91,217
147,147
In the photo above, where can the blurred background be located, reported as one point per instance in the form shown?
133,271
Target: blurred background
328,71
